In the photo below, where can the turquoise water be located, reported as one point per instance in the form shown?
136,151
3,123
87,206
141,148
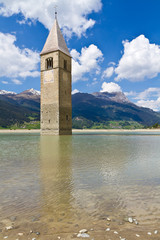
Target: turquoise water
80,179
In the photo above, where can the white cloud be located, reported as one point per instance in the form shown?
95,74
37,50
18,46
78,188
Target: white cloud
75,91
148,94
153,104
16,81
86,62
130,94
110,87
149,98
23,21
112,64
4,82
140,60
73,15
16,62
108,72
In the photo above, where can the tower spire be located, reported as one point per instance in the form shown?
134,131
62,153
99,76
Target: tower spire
55,7
55,40
56,99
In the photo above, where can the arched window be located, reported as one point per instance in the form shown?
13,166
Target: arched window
65,64
49,63
67,118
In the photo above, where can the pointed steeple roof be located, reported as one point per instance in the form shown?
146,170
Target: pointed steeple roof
55,41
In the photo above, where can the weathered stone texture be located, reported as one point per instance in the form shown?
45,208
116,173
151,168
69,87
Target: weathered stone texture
56,105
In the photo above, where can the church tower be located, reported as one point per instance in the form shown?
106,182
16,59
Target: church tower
56,103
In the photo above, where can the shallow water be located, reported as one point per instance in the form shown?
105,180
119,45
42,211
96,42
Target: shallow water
59,185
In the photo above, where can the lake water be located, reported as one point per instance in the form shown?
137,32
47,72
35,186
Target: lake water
60,185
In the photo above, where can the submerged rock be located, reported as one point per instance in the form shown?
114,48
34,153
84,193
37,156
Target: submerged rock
135,221
83,231
108,229
130,220
9,227
83,235
20,234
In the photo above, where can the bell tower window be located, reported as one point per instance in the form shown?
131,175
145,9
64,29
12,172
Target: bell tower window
49,63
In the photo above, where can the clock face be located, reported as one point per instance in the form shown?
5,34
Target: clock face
49,76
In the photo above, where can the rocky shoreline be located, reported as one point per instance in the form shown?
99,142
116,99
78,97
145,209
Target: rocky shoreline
127,229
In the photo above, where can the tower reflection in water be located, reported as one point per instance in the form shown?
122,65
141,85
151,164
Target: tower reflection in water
56,178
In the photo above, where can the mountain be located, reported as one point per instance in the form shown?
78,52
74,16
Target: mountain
115,96
89,110
30,92
4,92
19,108
29,99
103,107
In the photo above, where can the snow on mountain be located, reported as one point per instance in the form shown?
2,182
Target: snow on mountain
4,92
34,92
30,92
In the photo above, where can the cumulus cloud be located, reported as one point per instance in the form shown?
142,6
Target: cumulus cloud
86,62
149,94
16,62
130,94
75,91
73,15
149,98
140,60
153,104
108,72
110,87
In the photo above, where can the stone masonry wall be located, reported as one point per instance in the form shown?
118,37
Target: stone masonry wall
56,106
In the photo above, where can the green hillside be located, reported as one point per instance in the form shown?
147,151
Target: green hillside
99,110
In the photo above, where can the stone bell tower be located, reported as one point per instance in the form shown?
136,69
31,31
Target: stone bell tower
56,104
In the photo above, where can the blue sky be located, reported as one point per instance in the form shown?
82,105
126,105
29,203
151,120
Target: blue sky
115,45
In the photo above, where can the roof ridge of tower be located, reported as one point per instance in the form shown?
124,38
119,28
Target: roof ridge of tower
55,41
